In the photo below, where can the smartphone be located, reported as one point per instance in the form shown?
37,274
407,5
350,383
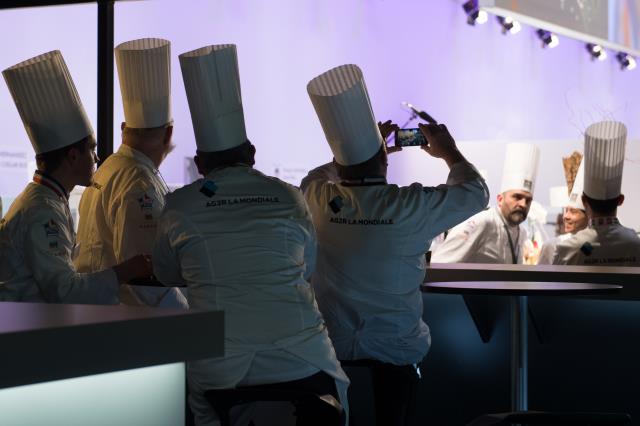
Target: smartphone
409,137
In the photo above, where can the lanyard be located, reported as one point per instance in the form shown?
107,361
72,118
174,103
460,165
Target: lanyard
514,254
156,172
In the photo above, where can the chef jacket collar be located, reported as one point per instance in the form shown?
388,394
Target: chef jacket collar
603,221
367,181
138,156
127,151
44,179
226,166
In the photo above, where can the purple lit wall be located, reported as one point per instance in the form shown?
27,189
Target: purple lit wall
488,88
25,33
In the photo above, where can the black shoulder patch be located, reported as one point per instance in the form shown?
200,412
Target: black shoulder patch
209,188
336,204
587,249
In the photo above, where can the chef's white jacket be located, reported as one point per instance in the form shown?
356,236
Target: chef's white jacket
548,250
118,220
484,238
244,243
604,243
36,248
372,240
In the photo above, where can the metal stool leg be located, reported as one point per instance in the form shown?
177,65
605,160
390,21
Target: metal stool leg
519,354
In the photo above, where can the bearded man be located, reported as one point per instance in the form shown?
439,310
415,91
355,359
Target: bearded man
496,235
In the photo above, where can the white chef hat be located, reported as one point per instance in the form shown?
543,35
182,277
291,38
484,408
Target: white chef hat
341,101
212,82
144,71
604,147
520,167
48,102
558,196
575,197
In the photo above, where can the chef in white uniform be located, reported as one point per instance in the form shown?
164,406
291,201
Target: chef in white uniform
242,242
119,212
37,237
496,235
605,242
574,218
373,236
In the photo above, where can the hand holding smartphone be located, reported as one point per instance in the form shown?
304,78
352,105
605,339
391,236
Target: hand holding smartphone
409,137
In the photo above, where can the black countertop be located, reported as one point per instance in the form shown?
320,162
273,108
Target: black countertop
44,342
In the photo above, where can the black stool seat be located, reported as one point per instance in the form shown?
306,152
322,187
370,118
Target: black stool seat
311,409
552,419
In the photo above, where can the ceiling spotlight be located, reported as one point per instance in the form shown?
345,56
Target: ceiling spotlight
548,39
596,51
474,14
509,25
627,62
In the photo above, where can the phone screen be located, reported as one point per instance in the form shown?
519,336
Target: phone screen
410,137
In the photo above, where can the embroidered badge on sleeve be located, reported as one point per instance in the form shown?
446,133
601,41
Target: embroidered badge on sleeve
146,206
468,229
52,231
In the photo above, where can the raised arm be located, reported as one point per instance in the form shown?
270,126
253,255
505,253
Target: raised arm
465,192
